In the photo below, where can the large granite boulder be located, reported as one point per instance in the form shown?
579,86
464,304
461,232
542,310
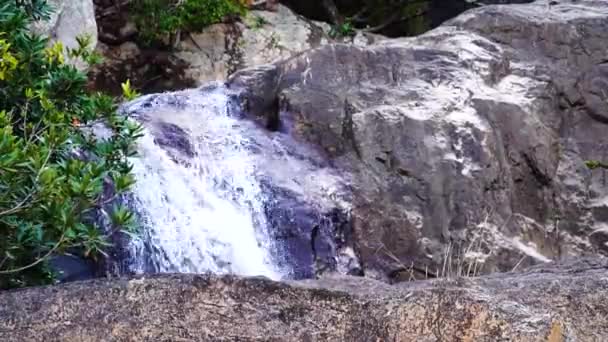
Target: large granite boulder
467,143
259,38
553,303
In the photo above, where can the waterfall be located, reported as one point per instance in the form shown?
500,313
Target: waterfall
201,212
216,192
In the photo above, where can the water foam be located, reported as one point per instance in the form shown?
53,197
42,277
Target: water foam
201,213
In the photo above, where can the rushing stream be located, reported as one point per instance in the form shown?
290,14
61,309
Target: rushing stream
203,194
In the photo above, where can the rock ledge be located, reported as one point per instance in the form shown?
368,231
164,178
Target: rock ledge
564,302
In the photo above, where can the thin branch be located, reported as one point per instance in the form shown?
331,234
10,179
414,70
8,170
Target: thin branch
25,110
3,260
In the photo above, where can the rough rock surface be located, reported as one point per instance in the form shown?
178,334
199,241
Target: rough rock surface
467,143
70,19
549,303
261,37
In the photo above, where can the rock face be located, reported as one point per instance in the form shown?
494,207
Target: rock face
551,303
261,37
70,19
467,143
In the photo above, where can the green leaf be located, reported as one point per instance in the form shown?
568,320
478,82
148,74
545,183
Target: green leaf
128,92
70,234
123,182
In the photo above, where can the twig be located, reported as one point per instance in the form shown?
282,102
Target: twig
358,17
517,265
3,260
332,11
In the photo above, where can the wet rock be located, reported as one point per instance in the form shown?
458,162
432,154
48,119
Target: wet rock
309,242
293,198
172,136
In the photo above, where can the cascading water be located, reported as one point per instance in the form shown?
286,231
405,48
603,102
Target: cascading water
216,192
203,213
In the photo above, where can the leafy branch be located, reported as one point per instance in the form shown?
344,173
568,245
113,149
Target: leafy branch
54,172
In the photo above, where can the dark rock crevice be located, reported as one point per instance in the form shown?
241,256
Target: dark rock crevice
395,19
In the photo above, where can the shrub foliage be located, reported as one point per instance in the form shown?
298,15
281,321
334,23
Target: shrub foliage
159,19
53,169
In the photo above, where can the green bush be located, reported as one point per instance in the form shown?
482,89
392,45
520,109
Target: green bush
159,19
53,170
346,29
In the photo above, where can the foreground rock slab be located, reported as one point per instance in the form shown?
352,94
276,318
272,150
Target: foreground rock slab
564,302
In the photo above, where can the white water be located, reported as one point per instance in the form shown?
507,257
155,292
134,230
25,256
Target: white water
204,213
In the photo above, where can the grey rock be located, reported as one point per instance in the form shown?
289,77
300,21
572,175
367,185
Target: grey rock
467,143
311,241
550,303
259,38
